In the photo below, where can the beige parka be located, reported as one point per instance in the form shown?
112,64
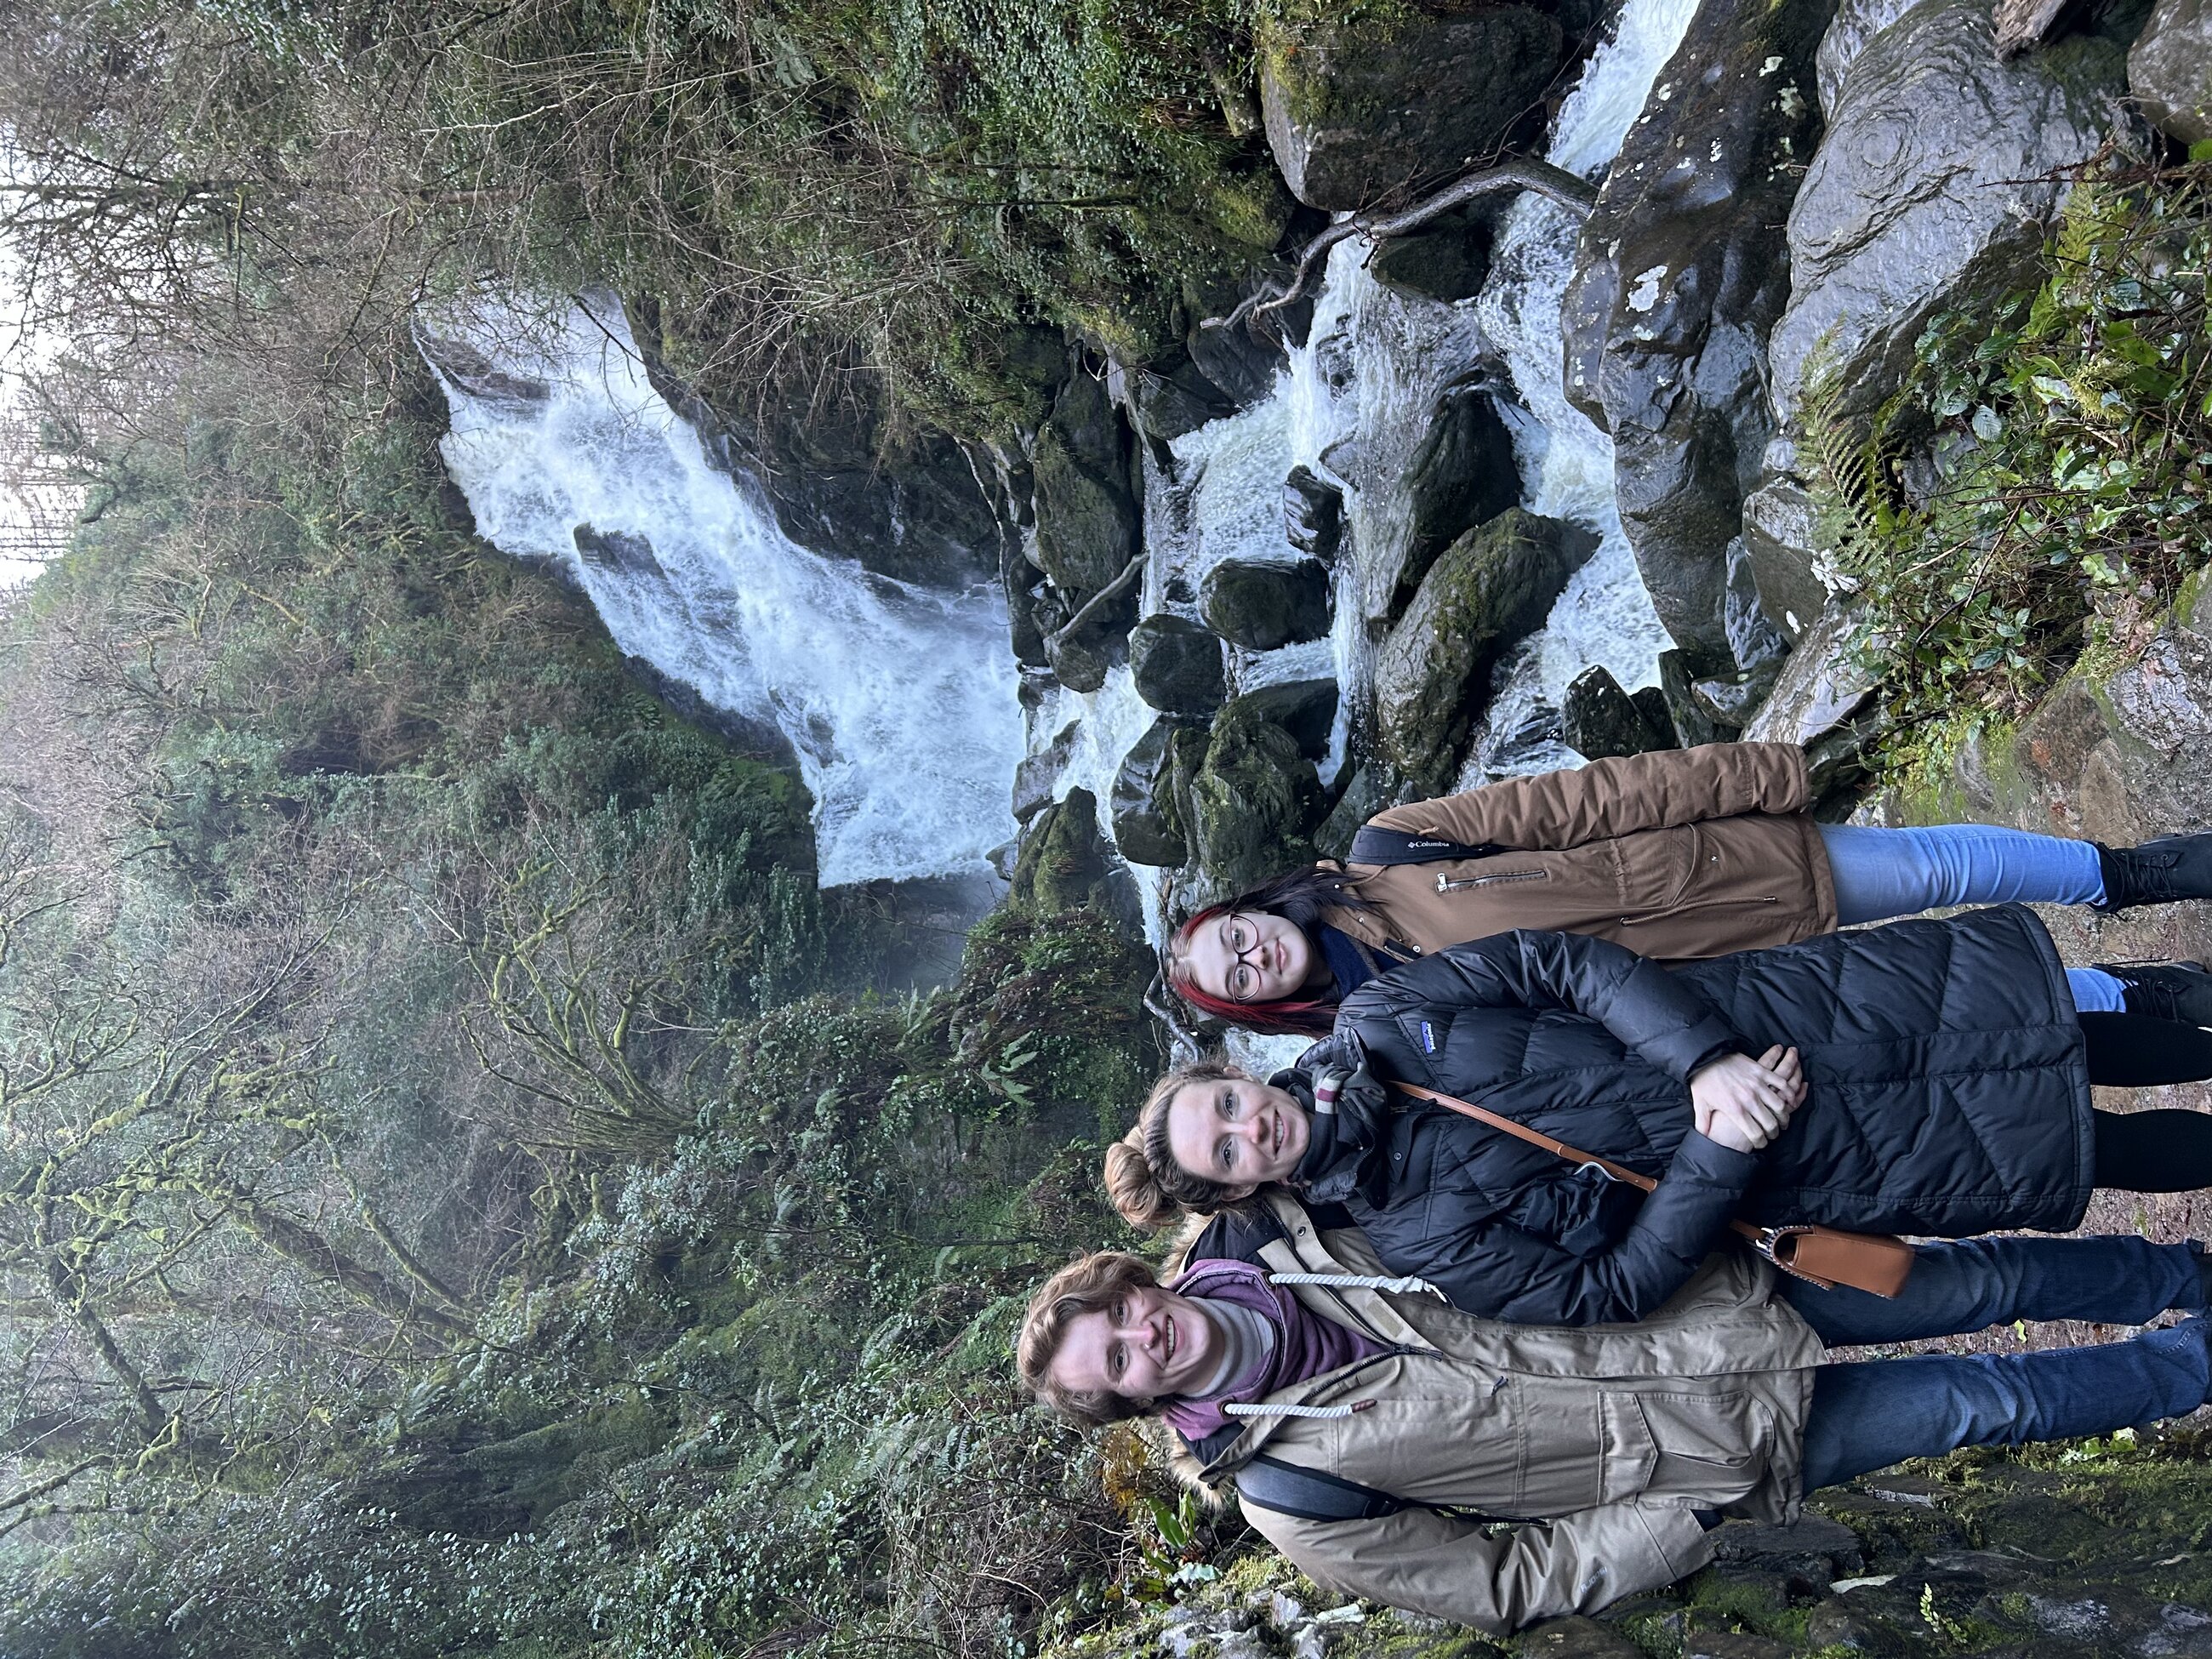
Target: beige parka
1600,1439
1681,854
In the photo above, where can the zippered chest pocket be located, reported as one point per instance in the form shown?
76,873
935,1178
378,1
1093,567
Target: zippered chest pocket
1447,882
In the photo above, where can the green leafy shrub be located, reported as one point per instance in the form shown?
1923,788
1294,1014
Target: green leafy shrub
2063,443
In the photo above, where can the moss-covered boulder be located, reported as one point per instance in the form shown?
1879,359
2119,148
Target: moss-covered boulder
1262,603
1357,107
1463,475
1255,802
1494,587
1087,519
1064,862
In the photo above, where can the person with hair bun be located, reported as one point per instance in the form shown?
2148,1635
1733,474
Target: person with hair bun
1684,854
1927,1078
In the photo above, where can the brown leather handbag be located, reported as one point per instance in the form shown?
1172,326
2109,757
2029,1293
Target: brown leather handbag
1827,1256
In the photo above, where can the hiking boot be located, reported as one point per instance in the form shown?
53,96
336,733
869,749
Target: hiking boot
2157,872
2179,991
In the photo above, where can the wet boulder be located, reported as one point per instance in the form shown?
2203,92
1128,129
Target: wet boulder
1598,719
1446,260
1463,475
1087,519
1313,514
1681,274
1357,106
1939,172
1780,545
1264,604
1170,396
1253,803
1304,708
1037,776
1177,665
1492,588
1822,690
1147,803
1692,719
2170,69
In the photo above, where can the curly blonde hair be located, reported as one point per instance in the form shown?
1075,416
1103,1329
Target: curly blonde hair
1090,1283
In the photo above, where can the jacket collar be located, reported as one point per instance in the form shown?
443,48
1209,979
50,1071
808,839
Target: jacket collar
1343,1157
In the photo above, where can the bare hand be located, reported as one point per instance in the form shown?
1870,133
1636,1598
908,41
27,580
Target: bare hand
1744,1103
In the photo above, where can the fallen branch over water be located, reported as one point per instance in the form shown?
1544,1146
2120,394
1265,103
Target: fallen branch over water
1522,172
1097,602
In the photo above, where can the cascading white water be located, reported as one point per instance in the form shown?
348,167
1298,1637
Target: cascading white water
901,702
1604,617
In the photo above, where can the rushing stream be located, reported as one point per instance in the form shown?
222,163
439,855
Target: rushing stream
900,701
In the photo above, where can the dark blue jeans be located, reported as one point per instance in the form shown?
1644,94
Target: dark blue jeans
1876,1413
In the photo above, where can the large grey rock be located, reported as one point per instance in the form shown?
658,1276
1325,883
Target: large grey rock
1147,800
1463,475
1254,802
1778,540
1263,604
1935,177
2170,69
1693,722
1177,664
1358,107
1599,718
1494,587
1169,395
1856,22
1087,520
617,550
1820,687
1680,273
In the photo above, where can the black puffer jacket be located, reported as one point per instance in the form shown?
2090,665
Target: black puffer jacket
1947,1095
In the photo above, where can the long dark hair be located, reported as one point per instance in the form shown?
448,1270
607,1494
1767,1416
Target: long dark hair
1299,896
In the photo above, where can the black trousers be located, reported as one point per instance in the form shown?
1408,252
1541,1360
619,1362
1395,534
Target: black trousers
2153,1152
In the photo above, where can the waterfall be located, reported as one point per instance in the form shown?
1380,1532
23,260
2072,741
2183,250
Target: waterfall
1566,464
901,702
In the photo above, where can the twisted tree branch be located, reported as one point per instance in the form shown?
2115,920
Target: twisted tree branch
1522,172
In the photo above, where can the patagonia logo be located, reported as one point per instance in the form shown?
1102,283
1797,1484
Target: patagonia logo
1428,1038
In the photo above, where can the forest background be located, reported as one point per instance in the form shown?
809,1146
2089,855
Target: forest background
461,1184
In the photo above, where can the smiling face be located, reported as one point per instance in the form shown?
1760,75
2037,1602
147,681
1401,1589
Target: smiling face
1251,956
1147,1344
1237,1131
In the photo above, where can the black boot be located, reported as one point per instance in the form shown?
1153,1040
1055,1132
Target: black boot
2157,872
2179,991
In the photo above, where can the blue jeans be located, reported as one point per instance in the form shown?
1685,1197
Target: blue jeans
1884,873
1881,874
1876,1413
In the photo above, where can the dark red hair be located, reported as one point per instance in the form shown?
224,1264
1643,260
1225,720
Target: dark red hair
1310,1017
1301,898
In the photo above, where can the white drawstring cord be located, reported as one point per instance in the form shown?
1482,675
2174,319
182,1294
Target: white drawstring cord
1406,1286
1295,1410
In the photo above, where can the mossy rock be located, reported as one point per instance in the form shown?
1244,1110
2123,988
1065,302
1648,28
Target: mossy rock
1255,802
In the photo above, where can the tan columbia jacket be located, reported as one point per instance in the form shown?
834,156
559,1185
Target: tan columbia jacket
1602,1438
1685,854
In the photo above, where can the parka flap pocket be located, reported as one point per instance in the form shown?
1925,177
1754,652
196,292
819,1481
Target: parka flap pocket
1631,1455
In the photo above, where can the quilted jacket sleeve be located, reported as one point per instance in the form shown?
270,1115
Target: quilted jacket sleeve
1667,1021
1434,1563
1498,1269
1552,811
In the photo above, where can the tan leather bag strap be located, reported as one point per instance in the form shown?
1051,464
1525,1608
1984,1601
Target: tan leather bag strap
1762,1236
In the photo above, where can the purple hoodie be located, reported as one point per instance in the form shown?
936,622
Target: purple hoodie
1306,1344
